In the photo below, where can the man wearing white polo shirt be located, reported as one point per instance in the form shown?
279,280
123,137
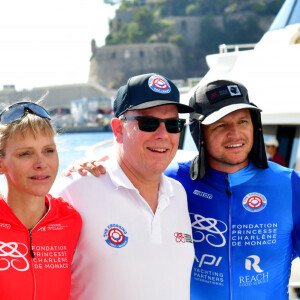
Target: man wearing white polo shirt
138,245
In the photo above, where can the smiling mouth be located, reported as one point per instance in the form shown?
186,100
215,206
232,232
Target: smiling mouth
234,146
160,150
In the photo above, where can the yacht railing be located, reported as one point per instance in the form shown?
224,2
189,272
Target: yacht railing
235,47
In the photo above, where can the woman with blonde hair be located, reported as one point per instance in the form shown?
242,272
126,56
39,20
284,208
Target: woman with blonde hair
38,233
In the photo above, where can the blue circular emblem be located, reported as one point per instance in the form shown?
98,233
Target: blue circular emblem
254,202
159,84
115,236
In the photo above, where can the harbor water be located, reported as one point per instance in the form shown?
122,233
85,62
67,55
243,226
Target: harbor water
74,146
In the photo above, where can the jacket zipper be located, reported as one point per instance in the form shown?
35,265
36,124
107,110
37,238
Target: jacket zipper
31,251
228,192
30,231
32,266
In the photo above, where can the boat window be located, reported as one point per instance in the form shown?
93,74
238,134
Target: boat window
295,17
188,143
283,16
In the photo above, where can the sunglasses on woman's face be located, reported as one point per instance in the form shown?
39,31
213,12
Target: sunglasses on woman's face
150,124
17,111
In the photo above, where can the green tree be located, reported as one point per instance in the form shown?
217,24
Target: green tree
143,28
135,34
259,7
176,39
173,7
144,18
211,36
242,31
119,37
192,10
274,6
215,7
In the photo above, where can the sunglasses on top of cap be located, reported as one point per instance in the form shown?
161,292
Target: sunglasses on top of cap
17,111
150,124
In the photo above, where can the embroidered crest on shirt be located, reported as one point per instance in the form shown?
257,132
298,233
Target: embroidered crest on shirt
115,236
183,237
254,202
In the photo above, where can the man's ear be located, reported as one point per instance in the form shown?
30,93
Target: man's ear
117,127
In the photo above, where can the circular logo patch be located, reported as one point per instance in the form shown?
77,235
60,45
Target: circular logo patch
115,236
254,202
159,84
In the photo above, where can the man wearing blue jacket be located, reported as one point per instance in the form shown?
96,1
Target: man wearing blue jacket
244,211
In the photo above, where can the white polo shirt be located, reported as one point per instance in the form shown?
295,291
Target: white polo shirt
125,251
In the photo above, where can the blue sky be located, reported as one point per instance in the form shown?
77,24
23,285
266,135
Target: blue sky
48,42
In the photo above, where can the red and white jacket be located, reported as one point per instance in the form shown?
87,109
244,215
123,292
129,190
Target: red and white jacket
36,264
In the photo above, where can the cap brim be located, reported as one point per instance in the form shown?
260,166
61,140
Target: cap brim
226,110
182,108
272,142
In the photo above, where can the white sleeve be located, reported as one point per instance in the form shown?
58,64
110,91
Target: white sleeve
60,189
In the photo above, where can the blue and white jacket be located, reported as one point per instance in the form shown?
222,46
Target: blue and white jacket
245,228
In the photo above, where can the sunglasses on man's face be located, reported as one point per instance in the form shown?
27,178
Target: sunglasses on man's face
150,124
17,111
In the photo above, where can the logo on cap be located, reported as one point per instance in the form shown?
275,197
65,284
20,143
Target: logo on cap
159,84
254,202
223,92
234,90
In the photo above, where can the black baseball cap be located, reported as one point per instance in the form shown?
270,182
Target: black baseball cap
214,100
146,91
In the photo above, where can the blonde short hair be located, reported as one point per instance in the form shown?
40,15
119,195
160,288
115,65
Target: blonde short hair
29,122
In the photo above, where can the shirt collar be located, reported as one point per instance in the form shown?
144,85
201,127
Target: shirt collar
166,191
119,179
117,175
236,178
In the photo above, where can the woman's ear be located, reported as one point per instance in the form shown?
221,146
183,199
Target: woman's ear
117,127
2,168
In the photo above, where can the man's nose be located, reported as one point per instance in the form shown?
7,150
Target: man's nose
233,131
161,131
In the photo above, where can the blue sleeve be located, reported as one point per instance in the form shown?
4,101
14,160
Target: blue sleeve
172,170
296,210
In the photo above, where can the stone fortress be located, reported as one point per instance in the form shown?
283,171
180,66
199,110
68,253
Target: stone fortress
112,65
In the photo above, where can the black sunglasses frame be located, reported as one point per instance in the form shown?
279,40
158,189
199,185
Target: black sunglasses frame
143,122
17,111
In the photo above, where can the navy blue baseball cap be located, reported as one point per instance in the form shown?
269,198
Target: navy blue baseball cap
146,91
